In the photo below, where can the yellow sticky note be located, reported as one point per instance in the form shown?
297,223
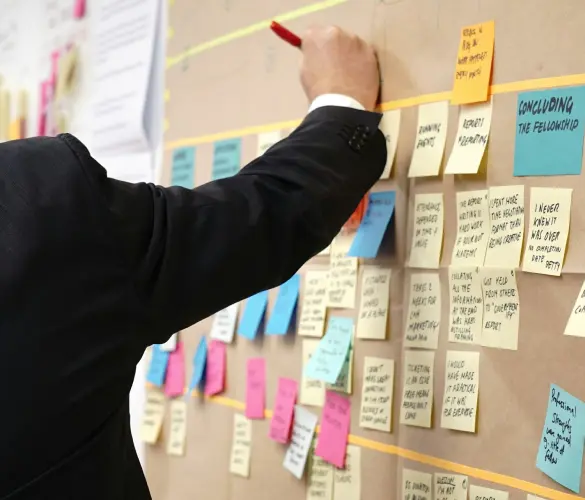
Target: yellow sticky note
313,307
427,231
424,311
506,233
312,391
375,298
576,324
325,251
176,442
344,382
501,308
152,419
377,394
416,485
347,482
451,487
474,64
4,114
473,221
343,272
320,479
67,75
417,394
465,305
266,140
429,144
390,127
548,231
14,132
461,389
473,132
481,493
533,497
241,446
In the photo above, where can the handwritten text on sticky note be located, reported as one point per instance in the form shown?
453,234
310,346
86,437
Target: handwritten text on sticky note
374,303
451,487
466,305
282,418
183,168
176,441
215,374
255,387
390,127
429,144
226,158
473,219
417,394
427,231
576,324
424,311
224,324
332,441
301,441
377,389
416,485
313,308
312,391
241,446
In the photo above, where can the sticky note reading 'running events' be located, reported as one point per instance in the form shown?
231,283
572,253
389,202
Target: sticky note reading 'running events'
429,144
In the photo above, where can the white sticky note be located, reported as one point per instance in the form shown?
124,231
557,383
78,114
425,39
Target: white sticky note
152,418
533,497
451,487
481,493
374,303
461,389
416,485
548,231
343,272
347,483
506,234
314,304
429,144
176,442
312,391
320,481
390,127
417,394
473,224
427,231
465,305
423,318
170,345
377,393
576,323
241,446
224,324
295,457
266,140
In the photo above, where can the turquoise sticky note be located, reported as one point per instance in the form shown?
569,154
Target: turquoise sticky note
560,453
329,357
369,235
158,366
183,168
549,132
286,301
253,315
199,362
226,158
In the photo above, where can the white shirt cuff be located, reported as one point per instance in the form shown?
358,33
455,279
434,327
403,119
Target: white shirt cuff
335,100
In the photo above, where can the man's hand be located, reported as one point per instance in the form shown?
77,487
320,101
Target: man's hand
337,62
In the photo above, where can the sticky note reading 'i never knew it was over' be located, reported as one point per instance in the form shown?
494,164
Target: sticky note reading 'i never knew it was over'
253,315
255,387
332,440
226,159
285,306
282,418
199,364
427,231
429,144
183,168
158,366
417,394
175,378
215,373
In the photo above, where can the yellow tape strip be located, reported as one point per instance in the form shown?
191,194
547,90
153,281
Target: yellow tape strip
249,30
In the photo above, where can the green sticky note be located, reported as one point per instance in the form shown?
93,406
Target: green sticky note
183,168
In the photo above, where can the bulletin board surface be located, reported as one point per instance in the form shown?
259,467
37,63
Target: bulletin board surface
228,76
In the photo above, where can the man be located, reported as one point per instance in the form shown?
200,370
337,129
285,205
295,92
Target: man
93,270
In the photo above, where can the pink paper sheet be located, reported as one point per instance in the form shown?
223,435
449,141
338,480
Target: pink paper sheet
332,441
255,388
282,418
215,371
175,377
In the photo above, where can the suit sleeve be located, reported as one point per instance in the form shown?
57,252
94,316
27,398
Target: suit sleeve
193,252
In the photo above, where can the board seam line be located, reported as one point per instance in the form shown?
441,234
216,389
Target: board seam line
500,88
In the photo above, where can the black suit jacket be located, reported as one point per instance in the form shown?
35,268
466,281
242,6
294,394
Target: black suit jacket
93,270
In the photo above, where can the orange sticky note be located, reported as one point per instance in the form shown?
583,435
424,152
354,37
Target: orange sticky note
474,64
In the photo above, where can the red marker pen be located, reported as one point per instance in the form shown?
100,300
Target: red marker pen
286,35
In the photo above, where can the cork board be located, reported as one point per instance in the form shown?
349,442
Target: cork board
247,83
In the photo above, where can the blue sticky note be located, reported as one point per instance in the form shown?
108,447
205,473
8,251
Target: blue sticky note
253,315
183,168
226,158
549,132
329,357
158,366
199,362
369,235
286,301
560,453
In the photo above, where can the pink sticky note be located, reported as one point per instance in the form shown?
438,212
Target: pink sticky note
175,377
332,441
255,387
79,9
54,69
282,418
215,370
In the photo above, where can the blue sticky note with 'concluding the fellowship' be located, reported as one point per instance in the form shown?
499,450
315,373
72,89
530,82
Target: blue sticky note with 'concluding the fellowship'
368,237
253,315
158,366
560,453
549,132
226,158
183,168
199,362
286,301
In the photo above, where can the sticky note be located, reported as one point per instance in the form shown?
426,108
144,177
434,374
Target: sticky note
416,485
465,305
314,308
79,9
284,308
177,438
175,377
461,389
424,311
474,64
226,158
344,382
549,132
266,140
501,308
224,324
152,418
158,366
329,357
451,487
215,373
427,231
183,168
282,417
375,299
241,446
417,394
343,272
473,221
390,127
481,493
576,324
171,344
301,441
533,497
312,391
255,388
560,453
506,226
429,144
472,137
548,231
332,440
320,481
199,364
347,482
253,315
377,391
